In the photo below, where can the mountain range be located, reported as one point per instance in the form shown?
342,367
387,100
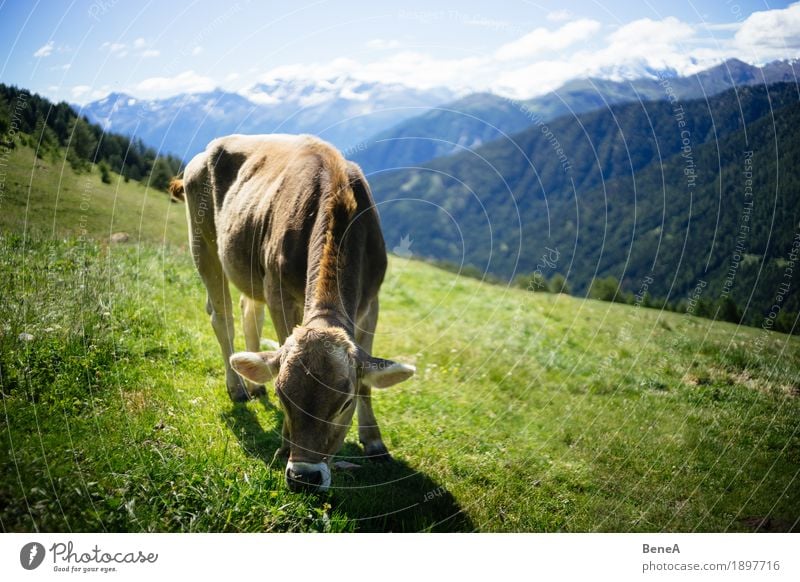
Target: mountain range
638,179
651,189
343,111
384,126
483,117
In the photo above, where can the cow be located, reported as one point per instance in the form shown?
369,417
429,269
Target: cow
293,225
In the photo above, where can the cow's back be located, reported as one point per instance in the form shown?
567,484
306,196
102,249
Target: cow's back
267,214
209,176
257,198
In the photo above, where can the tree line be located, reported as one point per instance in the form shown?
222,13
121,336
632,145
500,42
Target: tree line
723,308
609,288
51,127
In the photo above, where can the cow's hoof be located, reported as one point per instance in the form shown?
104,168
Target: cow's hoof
256,390
281,454
377,452
238,394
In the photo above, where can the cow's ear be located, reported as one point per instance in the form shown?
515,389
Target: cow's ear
380,373
258,367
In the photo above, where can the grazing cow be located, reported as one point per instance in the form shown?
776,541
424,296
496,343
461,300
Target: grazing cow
292,224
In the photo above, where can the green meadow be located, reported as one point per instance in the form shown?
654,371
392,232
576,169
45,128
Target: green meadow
529,412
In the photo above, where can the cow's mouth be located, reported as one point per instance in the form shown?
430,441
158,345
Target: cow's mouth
302,476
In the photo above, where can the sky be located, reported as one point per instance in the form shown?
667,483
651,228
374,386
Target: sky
82,50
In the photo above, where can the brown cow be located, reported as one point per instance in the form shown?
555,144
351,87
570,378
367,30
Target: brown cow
292,224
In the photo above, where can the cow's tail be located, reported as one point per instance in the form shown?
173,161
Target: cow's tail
176,191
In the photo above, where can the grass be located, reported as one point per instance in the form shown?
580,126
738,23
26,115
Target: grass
529,412
47,196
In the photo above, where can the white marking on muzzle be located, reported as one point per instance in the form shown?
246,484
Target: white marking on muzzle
323,468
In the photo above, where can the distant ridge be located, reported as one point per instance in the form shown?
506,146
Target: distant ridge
639,195
482,117
343,111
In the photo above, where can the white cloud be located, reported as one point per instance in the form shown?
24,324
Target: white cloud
532,64
651,32
490,23
771,32
382,44
542,40
138,46
349,93
644,44
559,15
724,26
407,68
44,51
186,82
537,79
260,98
118,49
636,49
543,59
80,90
99,93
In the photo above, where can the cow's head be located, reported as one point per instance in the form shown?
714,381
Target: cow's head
317,373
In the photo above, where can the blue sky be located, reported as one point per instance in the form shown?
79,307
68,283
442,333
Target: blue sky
82,50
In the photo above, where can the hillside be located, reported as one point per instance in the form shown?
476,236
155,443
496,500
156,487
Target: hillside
736,237
481,118
587,416
47,198
529,412
467,123
608,189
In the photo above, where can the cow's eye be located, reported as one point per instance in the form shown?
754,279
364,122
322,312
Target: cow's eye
346,405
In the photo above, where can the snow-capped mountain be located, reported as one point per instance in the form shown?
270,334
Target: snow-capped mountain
343,110
482,117
351,113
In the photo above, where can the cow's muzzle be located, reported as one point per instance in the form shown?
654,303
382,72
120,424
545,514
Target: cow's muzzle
308,476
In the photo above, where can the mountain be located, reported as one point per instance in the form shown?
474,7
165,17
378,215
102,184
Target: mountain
481,118
383,125
646,188
467,123
344,111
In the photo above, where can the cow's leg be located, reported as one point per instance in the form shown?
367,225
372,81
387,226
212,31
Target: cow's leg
252,323
368,432
285,316
283,310
202,234
220,308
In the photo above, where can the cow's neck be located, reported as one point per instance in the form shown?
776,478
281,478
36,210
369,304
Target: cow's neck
333,265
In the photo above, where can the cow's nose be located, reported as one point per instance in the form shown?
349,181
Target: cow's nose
300,479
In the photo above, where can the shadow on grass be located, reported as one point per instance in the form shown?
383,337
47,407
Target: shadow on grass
388,496
255,441
394,496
